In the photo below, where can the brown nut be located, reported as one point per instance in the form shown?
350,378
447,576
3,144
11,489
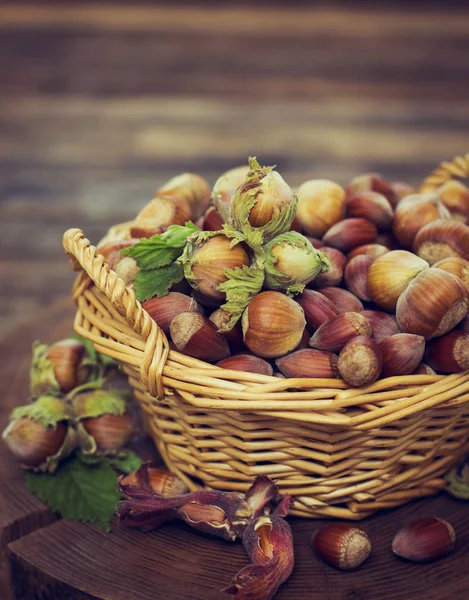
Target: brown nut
350,233
372,182
273,324
424,540
389,276
383,324
195,335
432,304
335,273
441,239
309,363
321,203
372,206
343,300
342,545
246,362
356,276
449,353
373,250
317,308
163,310
360,361
402,353
335,333
413,212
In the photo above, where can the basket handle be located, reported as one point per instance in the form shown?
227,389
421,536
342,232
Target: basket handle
113,287
458,167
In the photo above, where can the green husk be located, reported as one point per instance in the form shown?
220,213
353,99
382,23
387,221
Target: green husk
258,180
43,380
458,482
99,402
47,410
306,262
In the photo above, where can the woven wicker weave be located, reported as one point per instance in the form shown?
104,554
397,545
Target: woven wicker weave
339,452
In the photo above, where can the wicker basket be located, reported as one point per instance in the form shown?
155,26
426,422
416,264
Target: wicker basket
339,452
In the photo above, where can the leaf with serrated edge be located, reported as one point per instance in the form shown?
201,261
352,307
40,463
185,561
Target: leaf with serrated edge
78,492
157,282
161,249
242,285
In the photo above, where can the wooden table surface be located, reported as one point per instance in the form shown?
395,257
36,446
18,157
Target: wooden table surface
101,102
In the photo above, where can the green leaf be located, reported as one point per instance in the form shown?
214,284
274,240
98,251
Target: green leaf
161,249
77,491
242,285
125,462
157,282
42,373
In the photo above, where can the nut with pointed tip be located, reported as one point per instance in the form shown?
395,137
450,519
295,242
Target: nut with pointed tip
309,362
342,545
335,273
163,310
350,233
343,300
402,353
159,214
212,220
317,308
161,481
321,203
195,335
373,250
31,442
372,206
432,304
273,324
66,357
356,276
360,361
441,239
424,540
372,182
248,363
110,432
455,196
225,188
206,263
335,333
413,212
456,266
449,353
383,324
389,276
193,188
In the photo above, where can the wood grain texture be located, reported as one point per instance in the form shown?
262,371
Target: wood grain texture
101,102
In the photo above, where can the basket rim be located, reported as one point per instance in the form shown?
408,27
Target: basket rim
324,402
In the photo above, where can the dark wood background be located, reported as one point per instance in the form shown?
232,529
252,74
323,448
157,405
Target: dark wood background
101,102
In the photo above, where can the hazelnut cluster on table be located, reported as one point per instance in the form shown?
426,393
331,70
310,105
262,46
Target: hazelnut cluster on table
360,283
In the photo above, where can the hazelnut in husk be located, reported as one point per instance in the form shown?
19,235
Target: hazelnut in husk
39,434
